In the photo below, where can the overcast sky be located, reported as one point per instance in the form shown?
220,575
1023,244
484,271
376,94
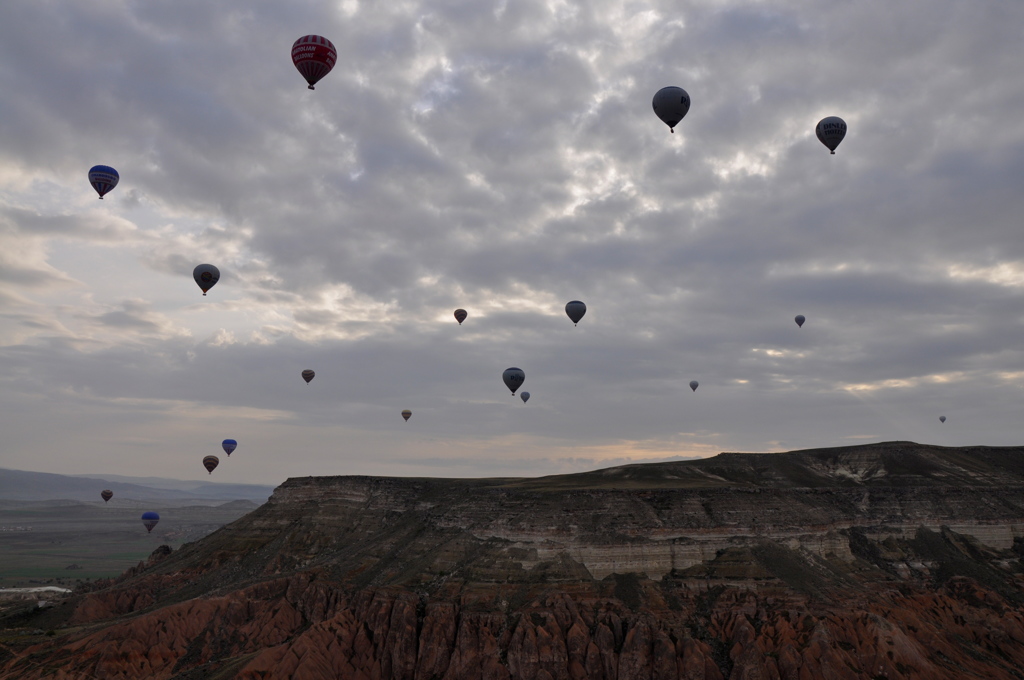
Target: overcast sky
503,157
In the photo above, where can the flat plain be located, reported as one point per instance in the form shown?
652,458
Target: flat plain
64,542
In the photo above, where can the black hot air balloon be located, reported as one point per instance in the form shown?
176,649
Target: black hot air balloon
406,414
800,320
308,375
514,378
460,315
206,276
575,310
211,463
106,495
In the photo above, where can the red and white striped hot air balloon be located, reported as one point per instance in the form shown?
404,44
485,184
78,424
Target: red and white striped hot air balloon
314,56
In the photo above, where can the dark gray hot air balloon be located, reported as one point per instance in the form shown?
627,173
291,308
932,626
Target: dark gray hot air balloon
831,131
406,414
206,276
800,320
106,495
211,463
460,315
575,309
308,375
694,385
513,378
671,104
942,419
525,396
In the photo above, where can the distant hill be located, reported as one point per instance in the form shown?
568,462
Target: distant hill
21,485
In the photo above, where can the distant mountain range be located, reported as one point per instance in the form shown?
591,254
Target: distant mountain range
21,485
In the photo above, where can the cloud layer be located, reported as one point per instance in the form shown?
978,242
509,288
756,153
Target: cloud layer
504,158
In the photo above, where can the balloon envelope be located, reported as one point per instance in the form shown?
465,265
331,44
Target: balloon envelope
149,520
106,495
942,419
525,396
460,315
103,178
229,445
210,463
406,414
671,104
308,375
694,385
800,320
314,56
831,131
514,378
575,309
206,276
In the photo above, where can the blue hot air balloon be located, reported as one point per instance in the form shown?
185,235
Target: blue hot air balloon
229,445
149,520
103,178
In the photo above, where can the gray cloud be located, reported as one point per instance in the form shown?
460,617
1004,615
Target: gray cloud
504,158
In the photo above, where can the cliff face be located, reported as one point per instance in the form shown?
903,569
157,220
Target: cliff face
893,560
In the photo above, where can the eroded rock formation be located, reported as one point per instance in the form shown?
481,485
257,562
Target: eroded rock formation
886,561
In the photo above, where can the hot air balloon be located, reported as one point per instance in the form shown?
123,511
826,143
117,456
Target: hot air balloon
106,495
694,385
831,131
460,315
308,375
206,275
525,396
149,520
103,178
575,309
314,56
229,445
513,378
671,104
800,320
211,463
942,419
406,414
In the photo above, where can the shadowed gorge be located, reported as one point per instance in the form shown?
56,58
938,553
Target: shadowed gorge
894,560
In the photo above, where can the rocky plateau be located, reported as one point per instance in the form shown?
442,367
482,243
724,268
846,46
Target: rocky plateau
890,560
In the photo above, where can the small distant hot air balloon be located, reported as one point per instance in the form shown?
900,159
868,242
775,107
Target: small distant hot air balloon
406,414
575,310
694,385
308,375
831,131
211,463
149,520
800,320
106,495
525,396
513,378
314,56
942,419
206,276
671,104
229,445
103,178
460,315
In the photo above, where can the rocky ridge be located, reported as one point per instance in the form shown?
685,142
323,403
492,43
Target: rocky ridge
892,560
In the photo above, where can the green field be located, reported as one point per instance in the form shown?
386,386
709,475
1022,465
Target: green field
63,543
